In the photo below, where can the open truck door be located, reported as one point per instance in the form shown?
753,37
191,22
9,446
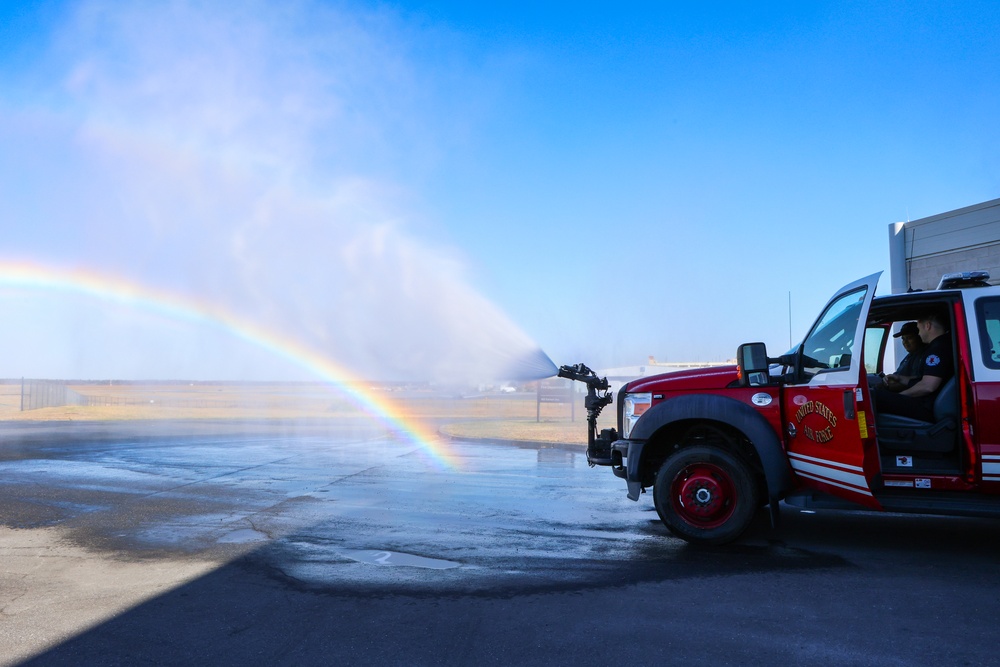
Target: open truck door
827,432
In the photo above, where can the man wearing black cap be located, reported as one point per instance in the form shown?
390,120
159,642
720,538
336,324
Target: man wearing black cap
908,371
936,367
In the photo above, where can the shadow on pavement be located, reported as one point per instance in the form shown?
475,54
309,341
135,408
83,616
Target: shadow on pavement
248,612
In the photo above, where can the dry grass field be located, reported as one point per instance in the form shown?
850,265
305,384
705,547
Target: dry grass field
488,416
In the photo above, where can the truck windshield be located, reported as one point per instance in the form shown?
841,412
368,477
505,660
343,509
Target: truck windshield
830,344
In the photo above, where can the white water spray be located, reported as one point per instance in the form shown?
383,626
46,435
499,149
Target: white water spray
256,155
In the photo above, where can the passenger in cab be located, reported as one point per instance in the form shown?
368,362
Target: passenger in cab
908,371
935,368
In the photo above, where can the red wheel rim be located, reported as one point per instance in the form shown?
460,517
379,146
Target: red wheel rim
703,495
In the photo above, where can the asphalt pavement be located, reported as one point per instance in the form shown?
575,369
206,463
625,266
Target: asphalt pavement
338,543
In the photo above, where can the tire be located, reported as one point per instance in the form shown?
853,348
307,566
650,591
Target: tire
705,495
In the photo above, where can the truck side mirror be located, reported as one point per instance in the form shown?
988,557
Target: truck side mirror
752,364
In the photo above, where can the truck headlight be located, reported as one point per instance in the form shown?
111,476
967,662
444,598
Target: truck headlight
633,407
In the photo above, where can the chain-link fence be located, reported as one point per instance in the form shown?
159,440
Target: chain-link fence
37,394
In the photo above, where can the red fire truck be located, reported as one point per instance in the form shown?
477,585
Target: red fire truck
718,445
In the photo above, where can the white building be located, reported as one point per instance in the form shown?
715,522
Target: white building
967,239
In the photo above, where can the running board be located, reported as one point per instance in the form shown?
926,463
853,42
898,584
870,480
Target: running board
906,502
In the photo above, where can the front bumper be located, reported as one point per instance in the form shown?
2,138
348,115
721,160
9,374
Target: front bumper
628,469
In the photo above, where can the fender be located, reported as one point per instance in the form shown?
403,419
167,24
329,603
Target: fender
727,411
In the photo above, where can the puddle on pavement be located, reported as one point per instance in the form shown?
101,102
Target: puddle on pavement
395,558
242,536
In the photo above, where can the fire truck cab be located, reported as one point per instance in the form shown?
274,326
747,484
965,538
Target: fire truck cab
717,445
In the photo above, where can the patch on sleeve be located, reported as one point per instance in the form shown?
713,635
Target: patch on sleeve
932,360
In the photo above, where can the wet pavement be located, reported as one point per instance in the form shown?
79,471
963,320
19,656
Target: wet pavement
338,543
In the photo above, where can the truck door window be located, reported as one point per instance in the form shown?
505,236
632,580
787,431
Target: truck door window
830,344
874,337
988,310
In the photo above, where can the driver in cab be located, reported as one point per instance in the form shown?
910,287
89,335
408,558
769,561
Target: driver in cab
908,371
934,369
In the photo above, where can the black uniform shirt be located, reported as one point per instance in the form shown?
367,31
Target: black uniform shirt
937,362
910,365
937,359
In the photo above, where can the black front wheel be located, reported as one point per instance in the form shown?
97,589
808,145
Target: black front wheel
705,495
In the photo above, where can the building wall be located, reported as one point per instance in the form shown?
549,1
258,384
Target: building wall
967,239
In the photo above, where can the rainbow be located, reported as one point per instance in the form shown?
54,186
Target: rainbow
117,289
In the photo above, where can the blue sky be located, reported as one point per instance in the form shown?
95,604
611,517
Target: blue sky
704,164
613,180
